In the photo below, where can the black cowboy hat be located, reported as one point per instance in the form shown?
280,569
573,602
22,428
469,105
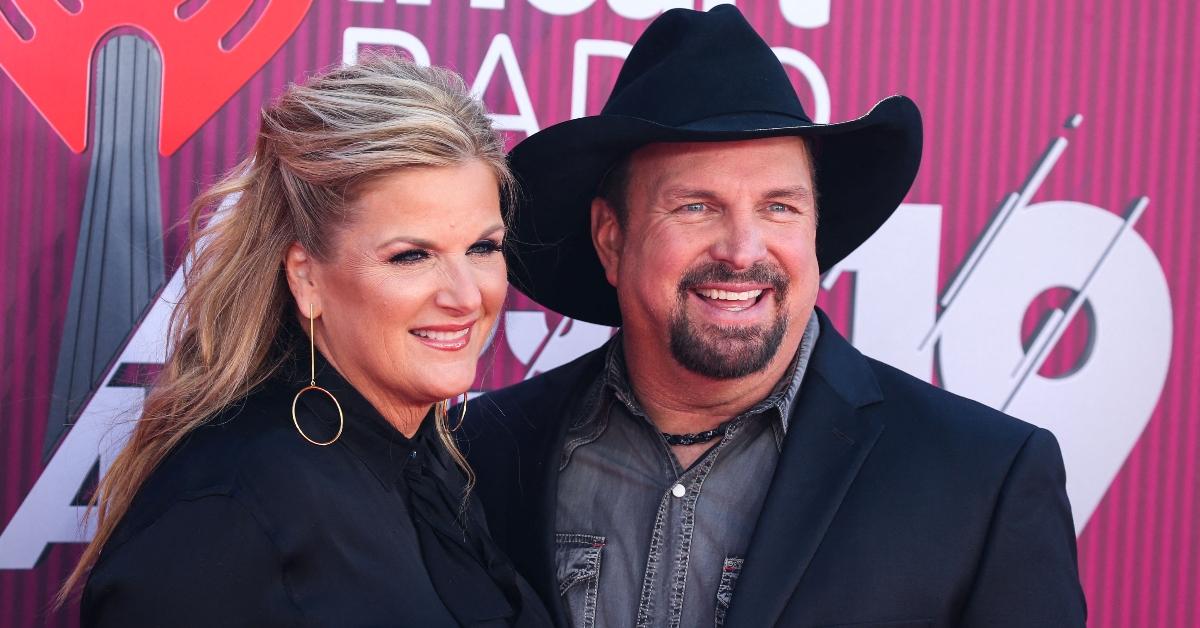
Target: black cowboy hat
692,77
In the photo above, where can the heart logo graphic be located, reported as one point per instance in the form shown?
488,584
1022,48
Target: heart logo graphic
53,67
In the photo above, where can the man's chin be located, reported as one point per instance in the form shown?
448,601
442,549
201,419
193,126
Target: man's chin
718,365
723,352
731,337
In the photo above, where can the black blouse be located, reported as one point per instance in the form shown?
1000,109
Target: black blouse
248,524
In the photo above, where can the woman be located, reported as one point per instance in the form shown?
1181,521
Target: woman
293,464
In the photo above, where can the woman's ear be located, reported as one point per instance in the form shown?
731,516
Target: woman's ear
607,237
301,277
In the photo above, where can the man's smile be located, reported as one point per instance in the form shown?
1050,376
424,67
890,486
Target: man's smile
732,301
733,305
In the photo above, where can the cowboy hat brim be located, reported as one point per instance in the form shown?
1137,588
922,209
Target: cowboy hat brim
864,167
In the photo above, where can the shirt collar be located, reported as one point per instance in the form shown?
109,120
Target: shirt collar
782,397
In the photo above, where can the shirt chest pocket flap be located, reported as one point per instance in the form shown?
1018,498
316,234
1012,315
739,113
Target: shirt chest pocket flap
577,558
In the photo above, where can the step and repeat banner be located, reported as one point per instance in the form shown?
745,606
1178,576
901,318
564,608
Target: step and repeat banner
1044,262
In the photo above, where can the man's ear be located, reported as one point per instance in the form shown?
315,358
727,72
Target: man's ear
301,277
608,237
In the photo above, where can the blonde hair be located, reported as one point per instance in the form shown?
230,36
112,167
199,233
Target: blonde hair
317,144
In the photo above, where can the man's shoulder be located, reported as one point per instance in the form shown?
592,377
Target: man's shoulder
937,446
919,409
910,408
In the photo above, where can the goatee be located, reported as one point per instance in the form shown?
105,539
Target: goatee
727,352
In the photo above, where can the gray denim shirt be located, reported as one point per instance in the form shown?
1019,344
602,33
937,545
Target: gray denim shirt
642,542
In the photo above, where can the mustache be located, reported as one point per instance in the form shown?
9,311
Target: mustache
717,272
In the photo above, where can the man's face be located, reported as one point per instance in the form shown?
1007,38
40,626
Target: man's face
716,257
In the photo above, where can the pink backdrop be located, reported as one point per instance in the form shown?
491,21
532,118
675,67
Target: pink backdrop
996,81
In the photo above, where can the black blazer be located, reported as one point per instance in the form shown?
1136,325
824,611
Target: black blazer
894,503
247,524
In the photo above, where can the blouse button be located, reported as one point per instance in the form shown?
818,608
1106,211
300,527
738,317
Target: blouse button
678,490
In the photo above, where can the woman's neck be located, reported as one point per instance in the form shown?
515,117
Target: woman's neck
406,417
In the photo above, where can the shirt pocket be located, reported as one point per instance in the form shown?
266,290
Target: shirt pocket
730,570
577,558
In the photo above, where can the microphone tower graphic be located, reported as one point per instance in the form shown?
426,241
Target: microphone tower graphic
119,256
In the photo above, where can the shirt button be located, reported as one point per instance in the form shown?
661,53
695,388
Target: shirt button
678,490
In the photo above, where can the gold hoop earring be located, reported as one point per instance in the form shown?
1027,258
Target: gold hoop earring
463,417
441,412
312,385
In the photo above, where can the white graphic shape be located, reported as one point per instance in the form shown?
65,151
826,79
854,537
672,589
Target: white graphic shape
645,9
561,7
822,103
532,342
805,13
47,515
525,331
1098,411
501,52
895,287
585,49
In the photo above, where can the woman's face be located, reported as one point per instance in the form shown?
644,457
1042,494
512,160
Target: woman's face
410,292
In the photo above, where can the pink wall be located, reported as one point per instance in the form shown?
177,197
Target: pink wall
995,82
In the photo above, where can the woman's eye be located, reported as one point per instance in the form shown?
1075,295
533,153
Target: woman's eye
484,247
410,257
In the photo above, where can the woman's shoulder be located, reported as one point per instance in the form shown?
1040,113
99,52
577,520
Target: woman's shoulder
175,564
237,439
240,453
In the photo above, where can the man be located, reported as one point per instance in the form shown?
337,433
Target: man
728,458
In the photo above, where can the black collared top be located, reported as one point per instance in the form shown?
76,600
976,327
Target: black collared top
248,524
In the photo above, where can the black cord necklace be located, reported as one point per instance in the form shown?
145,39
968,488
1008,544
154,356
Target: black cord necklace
697,438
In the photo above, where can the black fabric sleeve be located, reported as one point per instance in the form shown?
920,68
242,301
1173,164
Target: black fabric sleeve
204,562
1029,574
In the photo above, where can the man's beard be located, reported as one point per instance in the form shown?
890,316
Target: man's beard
727,352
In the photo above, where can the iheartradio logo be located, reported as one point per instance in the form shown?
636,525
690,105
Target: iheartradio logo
201,68
161,69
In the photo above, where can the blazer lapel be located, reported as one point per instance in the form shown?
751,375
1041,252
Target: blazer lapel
545,521
827,441
536,518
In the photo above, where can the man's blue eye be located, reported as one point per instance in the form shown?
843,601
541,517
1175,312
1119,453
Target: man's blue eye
778,207
693,207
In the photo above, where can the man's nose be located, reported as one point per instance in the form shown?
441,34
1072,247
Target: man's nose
741,242
459,291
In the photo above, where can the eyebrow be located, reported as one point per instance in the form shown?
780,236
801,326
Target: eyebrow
793,192
797,192
679,194
429,244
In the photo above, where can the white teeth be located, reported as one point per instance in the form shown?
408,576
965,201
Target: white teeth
442,336
725,295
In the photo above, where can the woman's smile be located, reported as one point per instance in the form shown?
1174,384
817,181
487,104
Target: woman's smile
444,337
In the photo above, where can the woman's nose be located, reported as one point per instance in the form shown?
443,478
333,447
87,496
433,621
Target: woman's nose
459,291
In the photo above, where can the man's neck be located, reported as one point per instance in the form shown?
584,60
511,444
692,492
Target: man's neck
682,402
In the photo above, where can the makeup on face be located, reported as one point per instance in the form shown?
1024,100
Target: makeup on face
417,284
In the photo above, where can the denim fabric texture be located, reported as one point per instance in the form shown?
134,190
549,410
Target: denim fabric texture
641,541
729,575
